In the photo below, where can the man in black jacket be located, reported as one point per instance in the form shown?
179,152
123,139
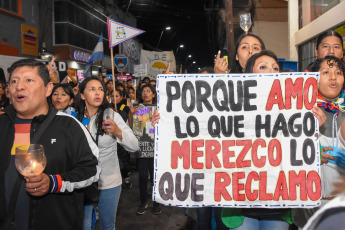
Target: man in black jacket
53,199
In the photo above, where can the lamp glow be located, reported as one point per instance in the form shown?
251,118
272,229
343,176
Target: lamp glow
30,160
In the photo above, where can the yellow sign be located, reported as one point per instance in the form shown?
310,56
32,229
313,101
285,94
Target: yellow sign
341,31
29,40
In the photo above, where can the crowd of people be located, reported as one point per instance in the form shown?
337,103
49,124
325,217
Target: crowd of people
86,132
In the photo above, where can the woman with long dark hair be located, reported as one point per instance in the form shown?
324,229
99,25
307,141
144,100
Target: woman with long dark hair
329,43
246,45
62,97
145,165
258,218
107,128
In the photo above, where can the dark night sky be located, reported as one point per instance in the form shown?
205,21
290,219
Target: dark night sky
188,22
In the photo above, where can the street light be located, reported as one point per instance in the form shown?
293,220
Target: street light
181,46
189,56
166,28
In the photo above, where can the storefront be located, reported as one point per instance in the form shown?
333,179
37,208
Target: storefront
75,60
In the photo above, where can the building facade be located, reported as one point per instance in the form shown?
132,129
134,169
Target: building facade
307,20
67,29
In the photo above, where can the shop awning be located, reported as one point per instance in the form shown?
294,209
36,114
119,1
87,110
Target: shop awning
7,49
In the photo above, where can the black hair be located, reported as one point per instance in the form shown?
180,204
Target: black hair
2,75
108,82
120,85
142,82
153,89
146,78
117,90
80,104
131,88
235,66
67,88
251,61
207,69
41,68
331,61
4,100
328,33
72,84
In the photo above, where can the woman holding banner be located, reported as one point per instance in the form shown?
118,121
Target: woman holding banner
331,100
237,218
145,164
258,218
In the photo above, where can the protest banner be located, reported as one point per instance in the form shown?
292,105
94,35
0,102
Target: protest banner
157,62
144,131
246,140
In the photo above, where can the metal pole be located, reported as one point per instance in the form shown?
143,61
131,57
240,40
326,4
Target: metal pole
160,38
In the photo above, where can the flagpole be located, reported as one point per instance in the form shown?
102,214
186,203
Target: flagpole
135,91
113,72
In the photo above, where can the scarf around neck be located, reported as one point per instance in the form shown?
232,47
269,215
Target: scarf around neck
335,106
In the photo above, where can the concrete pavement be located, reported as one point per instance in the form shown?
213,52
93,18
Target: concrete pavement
172,218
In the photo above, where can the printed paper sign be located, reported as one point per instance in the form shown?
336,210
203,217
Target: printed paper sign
237,141
29,40
144,131
140,70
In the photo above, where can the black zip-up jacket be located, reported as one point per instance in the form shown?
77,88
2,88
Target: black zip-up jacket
71,165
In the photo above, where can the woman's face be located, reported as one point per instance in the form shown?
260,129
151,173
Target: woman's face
120,88
331,81
117,97
93,94
110,86
248,46
329,46
60,99
265,64
131,94
147,95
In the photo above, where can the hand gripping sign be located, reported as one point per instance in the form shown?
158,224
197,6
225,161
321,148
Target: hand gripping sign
237,141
